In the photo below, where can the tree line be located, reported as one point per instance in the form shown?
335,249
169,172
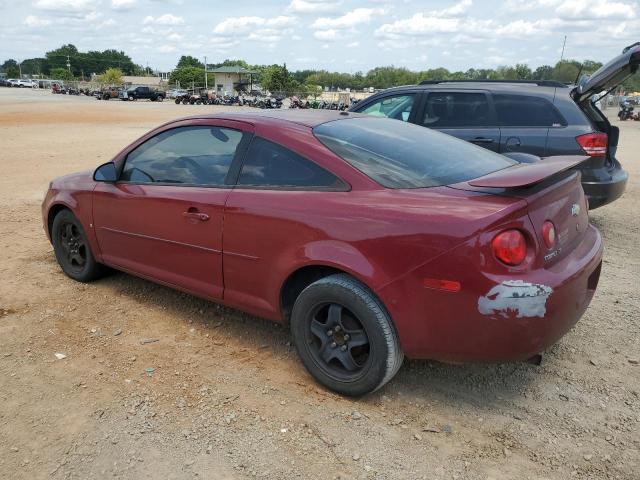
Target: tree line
190,70
81,64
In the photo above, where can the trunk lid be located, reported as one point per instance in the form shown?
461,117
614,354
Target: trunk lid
553,193
609,75
563,203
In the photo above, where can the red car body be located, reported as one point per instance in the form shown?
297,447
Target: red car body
425,252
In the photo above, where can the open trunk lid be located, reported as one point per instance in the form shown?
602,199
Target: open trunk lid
552,192
609,75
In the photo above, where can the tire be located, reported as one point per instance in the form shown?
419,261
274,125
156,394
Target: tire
178,101
72,248
344,336
160,98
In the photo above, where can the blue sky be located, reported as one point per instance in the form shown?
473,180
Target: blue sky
340,35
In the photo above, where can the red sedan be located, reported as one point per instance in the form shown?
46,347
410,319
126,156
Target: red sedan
371,237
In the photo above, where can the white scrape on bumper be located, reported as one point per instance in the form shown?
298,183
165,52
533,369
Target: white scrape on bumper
515,297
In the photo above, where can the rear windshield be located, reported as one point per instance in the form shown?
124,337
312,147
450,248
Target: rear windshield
401,155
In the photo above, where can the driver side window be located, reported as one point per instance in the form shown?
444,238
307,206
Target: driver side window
199,155
397,107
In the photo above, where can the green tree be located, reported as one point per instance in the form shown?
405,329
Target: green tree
566,71
187,76
189,61
543,72
111,76
276,78
61,74
523,72
10,67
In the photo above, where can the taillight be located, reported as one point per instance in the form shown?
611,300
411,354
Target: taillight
549,234
593,144
510,247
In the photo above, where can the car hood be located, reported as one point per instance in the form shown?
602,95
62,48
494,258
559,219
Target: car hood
77,181
609,75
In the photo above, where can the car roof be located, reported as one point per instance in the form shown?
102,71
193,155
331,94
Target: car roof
307,117
497,87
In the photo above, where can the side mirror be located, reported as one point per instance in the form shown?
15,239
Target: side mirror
106,173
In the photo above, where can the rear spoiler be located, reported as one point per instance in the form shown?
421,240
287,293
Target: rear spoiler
527,174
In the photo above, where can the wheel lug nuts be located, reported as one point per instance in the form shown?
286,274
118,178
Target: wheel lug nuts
329,333
337,328
346,336
343,348
334,344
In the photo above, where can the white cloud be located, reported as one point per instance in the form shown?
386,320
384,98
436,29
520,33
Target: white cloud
166,19
167,49
353,44
64,5
326,35
419,24
596,9
33,21
348,20
242,25
455,10
123,4
577,9
312,6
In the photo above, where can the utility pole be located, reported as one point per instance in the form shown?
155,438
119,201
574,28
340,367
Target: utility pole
68,64
206,84
563,45
20,67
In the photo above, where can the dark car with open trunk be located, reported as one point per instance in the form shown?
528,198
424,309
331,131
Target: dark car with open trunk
541,118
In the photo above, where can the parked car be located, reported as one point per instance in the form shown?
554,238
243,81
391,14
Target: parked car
372,238
23,83
542,118
137,93
4,82
108,93
176,93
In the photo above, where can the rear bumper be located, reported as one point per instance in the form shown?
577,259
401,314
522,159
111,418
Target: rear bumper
604,191
489,321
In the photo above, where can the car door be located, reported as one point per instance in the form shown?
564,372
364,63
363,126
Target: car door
265,220
524,122
163,218
465,114
395,105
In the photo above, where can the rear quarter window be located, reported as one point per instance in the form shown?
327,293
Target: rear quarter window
526,111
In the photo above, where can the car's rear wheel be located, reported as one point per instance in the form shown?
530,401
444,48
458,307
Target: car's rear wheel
345,336
72,249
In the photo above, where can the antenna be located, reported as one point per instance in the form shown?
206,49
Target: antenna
579,72
563,45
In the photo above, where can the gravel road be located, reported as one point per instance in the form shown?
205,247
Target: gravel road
219,394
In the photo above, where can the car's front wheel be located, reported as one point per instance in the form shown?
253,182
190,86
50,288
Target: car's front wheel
345,336
72,249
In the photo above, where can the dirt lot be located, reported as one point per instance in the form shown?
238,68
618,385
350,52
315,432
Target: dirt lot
222,395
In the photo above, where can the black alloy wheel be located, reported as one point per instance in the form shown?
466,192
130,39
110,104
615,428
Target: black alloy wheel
344,335
72,248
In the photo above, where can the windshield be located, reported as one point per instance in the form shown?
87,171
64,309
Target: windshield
400,155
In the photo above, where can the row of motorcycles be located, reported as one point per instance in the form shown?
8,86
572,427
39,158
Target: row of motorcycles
240,100
321,104
627,111
261,102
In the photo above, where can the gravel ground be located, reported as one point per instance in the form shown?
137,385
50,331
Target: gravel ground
219,394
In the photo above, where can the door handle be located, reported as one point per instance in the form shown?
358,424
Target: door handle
195,215
482,140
